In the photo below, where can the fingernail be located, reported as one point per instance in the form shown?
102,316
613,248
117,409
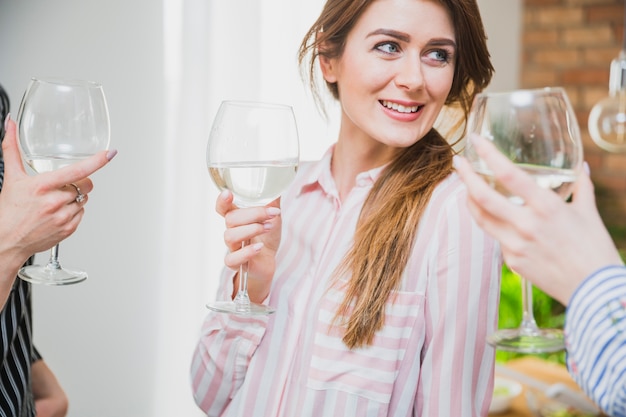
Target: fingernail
586,168
111,154
268,225
257,246
272,211
6,121
224,194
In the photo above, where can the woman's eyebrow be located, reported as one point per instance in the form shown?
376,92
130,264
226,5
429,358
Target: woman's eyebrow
390,32
405,37
442,42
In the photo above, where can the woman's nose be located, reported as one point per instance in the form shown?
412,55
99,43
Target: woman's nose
410,75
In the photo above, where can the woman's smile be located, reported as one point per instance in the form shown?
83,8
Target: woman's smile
401,107
404,112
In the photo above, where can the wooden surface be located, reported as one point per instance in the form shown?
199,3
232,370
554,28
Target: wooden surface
539,369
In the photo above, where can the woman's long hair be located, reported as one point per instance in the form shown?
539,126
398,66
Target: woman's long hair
389,219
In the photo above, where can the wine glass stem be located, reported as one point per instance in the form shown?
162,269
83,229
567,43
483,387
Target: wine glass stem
53,262
242,300
528,319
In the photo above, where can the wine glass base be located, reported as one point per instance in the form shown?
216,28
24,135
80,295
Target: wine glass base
528,341
231,307
37,274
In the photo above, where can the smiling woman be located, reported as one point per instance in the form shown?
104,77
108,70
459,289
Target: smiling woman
374,254
130,331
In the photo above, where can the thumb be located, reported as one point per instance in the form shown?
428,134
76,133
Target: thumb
12,158
583,193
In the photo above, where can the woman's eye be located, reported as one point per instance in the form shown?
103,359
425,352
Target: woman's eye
388,47
440,55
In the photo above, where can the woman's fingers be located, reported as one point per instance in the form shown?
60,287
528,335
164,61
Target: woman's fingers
508,175
584,193
488,203
224,203
56,179
236,258
72,181
79,191
11,153
246,224
252,225
80,170
494,212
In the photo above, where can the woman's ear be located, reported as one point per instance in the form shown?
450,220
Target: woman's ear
327,66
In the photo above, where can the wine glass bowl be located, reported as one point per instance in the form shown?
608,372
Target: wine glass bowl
60,122
535,129
538,131
253,151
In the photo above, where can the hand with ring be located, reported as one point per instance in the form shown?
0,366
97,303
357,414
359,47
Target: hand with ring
80,197
37,212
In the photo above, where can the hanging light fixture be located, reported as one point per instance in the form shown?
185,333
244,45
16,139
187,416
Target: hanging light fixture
607,119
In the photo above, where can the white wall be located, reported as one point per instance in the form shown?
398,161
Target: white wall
120,342
100,336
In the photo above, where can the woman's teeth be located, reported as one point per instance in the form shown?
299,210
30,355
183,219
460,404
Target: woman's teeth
399,107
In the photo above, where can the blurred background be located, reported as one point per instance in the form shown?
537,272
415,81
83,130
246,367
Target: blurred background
121,342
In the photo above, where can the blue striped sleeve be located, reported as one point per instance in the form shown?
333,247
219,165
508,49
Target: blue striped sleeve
595,333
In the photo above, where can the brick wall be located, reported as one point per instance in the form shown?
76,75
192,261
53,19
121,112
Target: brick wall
571,43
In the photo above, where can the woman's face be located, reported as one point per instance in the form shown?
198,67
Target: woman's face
395,72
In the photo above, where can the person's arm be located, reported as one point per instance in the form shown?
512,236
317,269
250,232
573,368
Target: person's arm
595,333
38,211
50,399
550,242
227,342
461,311
223,353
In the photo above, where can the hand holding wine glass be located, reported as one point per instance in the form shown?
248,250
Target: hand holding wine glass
253,151
541,239
62,122
537,130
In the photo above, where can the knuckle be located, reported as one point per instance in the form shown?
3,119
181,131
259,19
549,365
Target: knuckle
228,220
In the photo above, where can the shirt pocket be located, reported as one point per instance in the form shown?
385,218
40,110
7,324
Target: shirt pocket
371,371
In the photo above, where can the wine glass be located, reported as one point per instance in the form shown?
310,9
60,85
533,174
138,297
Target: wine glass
253,151
60,122
538,131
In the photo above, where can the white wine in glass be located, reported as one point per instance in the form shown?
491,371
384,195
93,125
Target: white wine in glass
60,122
253,151
538,131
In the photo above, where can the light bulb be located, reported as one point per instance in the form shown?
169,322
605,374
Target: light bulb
607,119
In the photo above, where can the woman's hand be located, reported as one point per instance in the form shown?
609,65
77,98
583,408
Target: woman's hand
260,227
38,211
550,242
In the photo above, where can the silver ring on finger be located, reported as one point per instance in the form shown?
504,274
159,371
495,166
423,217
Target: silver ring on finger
80,197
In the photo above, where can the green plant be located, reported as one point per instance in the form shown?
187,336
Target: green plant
548,313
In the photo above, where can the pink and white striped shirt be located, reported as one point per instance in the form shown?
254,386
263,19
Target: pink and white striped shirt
430,359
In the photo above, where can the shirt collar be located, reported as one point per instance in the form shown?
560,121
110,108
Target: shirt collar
320,177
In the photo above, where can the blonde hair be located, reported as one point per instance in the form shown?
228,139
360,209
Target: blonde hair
389,219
